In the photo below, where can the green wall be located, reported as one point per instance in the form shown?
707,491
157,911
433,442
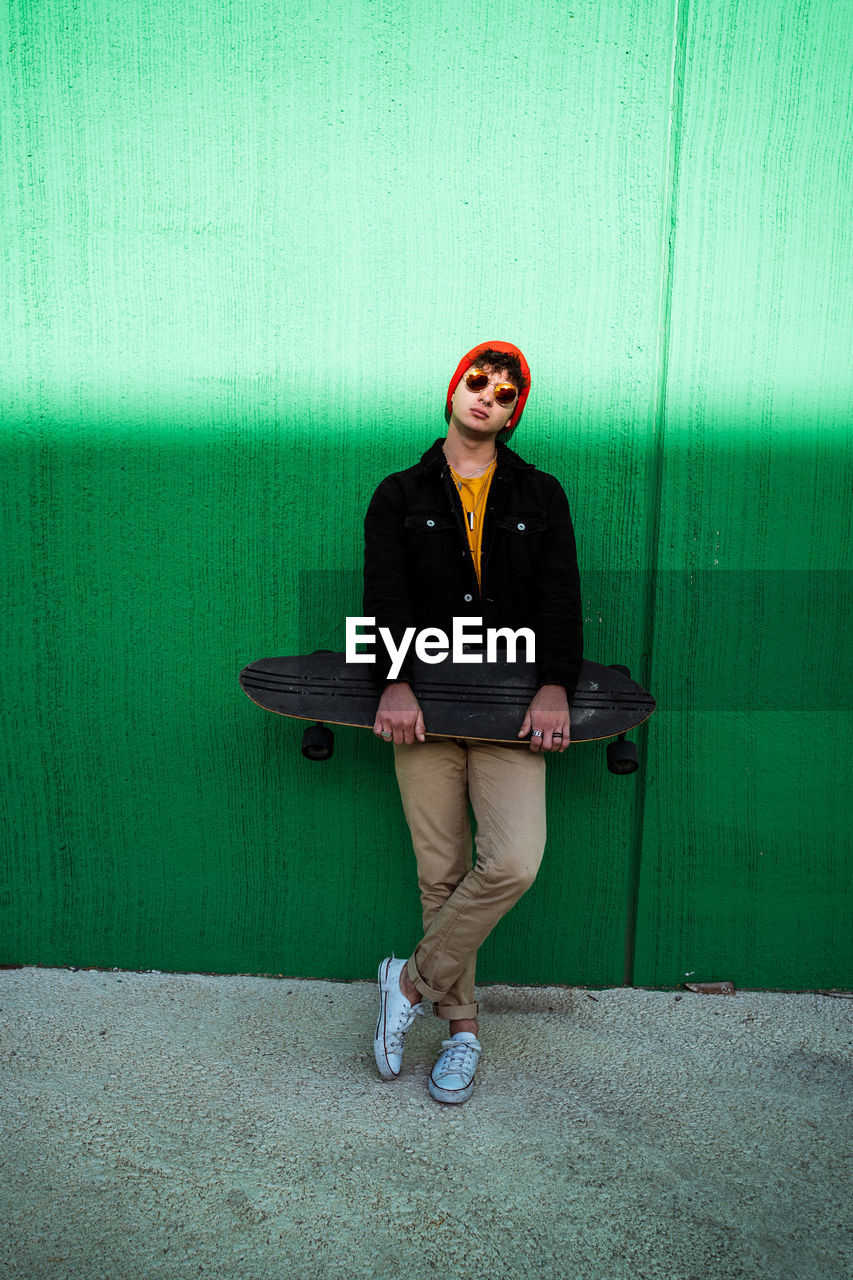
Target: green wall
246,244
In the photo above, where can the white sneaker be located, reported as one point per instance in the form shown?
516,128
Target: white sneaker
452,1078
396,1015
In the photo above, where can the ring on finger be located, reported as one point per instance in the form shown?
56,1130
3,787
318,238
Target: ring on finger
537,733
386,733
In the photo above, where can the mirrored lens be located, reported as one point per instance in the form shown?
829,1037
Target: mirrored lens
476,380
505,393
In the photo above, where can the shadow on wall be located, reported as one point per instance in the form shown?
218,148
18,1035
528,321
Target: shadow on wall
157,819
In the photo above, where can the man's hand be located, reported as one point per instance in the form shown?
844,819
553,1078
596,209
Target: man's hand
546,719
399,717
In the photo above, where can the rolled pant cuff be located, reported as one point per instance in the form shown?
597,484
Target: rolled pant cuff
455,1012
417,981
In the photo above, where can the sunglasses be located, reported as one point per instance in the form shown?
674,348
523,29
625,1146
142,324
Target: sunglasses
478,380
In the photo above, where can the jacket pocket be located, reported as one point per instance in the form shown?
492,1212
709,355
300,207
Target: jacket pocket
426,523
519,544
525,524
435,550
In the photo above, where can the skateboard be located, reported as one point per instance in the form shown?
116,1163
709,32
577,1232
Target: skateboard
484,700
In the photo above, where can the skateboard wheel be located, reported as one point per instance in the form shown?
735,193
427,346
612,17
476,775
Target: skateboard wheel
318,742
622,756
623,671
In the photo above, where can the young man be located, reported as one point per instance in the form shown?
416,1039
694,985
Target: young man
469,531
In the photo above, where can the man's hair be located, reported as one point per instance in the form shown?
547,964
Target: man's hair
505,360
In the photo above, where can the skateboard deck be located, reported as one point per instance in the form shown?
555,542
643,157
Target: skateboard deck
459,700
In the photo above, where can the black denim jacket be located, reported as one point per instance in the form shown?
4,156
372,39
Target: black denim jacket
418,569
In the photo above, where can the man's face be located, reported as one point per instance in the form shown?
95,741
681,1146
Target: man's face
477,413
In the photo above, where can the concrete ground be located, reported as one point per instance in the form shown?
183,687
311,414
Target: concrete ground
161,1125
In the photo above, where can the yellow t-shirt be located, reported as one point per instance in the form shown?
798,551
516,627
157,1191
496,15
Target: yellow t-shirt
474,492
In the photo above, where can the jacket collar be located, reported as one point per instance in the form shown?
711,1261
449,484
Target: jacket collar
434,457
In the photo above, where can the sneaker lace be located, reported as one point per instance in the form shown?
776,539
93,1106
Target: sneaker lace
457,1055
395,1034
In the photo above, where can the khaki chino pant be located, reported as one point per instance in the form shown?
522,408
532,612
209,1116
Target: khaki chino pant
462,901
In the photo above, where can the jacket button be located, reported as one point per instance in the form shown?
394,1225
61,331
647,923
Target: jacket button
468,599
522,527
430,524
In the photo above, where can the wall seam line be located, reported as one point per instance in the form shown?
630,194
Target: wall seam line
654,485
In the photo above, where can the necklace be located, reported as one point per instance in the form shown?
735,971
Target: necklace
473,473
457,480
